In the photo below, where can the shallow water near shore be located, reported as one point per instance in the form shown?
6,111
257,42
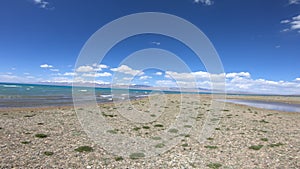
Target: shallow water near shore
266,105
36,95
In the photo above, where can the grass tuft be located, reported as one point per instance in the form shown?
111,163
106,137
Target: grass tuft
173,130
84,149
25,142
264,139
119,158
276,144
136,155
48,153
214,165
256,147
160,145
158,125
211,147
41,135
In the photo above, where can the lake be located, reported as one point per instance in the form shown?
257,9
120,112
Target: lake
266,105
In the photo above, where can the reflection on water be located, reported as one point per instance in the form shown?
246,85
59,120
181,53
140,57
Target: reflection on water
267,105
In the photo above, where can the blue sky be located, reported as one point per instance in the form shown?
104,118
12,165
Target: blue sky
257,41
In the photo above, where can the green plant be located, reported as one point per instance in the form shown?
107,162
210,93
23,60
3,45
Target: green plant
160,145
136,128
156,138
185,145
146,127
48,153
136,155
158,125
263,121
211,147
40,135
256,147
29,115
264,139
214,165
187,126
25,142
119,158
209,138
84,149
173,130
276,144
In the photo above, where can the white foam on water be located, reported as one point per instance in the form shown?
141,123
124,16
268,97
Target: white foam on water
11,86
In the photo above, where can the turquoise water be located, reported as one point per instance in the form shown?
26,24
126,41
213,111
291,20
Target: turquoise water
33,95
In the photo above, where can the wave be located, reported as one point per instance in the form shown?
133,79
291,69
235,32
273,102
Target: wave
11,86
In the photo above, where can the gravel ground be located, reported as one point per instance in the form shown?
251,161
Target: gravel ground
245,137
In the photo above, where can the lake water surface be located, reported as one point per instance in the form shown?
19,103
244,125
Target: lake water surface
267,105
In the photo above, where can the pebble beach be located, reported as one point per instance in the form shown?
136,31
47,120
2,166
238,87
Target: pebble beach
245,137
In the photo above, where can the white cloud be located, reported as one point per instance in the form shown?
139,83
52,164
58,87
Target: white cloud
46,66
70,74
54,70
285,30
43,4
240,74
205,2
187,76
285,21
234,82
293,23
165,83
145,77
158,73
84,69
156,43
291,2
127,70
99,67
105,74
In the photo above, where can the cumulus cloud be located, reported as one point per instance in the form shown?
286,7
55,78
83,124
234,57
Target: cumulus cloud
84,69
187,76
93,68
234,82
293,23
43,4
158,73
155,43
46,66
127,70
105,74
293,2
240,74
70,74
145,77
204,2
99,67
